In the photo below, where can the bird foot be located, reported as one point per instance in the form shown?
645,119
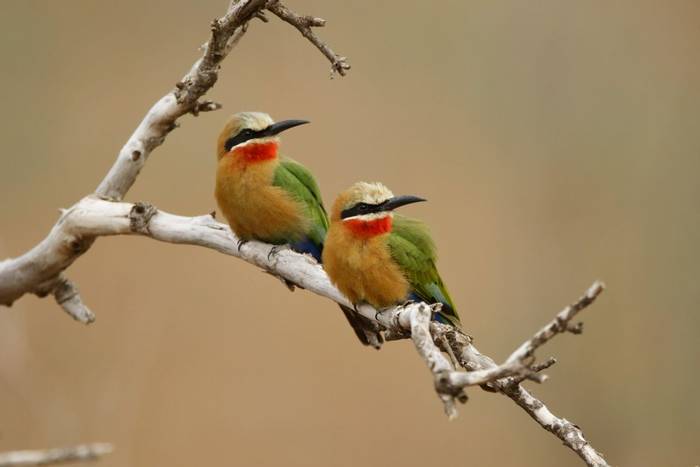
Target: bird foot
355,305
276,249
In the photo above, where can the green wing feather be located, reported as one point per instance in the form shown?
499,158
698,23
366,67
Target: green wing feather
301,185
414,251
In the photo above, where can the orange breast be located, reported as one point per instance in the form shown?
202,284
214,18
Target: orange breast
253,207
362,267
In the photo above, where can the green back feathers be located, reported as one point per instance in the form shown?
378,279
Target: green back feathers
301,185
414,251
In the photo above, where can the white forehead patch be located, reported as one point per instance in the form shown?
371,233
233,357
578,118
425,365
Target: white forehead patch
254,120
370,193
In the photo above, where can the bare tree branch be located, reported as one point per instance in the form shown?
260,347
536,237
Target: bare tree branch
40,270
83,452
93,217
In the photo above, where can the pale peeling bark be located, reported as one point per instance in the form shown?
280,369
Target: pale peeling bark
81,453
40,270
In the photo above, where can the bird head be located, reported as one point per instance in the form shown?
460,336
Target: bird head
367,208
251,133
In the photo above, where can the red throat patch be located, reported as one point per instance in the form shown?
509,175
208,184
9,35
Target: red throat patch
257,152
371,228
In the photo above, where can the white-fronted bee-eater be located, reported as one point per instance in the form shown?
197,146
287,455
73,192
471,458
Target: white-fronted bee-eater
270,198
375,256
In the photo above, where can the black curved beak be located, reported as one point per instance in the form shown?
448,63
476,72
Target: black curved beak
279,127
398,201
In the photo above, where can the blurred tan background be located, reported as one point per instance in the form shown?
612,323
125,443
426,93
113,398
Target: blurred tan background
558,142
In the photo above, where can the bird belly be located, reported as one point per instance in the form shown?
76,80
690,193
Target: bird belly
364,270
254,208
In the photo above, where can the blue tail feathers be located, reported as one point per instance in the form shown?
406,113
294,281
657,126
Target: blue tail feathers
309,247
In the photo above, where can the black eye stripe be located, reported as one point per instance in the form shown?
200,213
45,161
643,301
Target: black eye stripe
241,137
359,209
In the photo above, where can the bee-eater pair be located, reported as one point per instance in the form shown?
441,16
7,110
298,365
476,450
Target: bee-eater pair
371,254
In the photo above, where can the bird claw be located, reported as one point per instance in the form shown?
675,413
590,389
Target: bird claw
274,250
407,303
240,244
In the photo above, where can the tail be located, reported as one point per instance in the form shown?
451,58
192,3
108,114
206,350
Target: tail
307,246
447,315
365,330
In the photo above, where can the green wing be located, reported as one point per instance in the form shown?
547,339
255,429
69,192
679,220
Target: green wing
414,251
300,184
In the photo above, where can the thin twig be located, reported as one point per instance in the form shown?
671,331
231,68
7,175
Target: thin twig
560,324
305,24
